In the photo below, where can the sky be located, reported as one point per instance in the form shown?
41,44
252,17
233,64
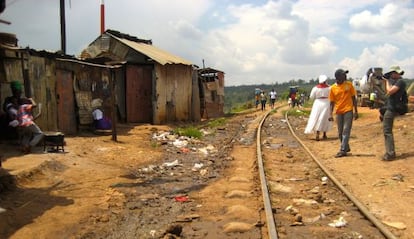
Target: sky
251,41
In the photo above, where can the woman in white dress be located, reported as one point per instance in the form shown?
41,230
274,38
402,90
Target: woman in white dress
320,113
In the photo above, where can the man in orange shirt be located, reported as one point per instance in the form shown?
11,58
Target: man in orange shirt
343,99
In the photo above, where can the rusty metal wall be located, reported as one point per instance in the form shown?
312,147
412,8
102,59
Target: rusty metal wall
43,84
139,93
174,93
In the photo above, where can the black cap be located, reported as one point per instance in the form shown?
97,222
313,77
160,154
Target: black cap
340,72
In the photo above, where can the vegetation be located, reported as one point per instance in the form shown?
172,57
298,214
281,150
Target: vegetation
189,132
240,98
217,122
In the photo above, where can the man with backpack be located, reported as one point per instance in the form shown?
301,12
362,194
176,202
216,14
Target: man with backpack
396,104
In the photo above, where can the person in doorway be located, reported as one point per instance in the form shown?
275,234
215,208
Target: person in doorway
319,117
342,97
273,96
395,88
101,122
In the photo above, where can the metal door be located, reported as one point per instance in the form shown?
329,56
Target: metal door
65,102
139,94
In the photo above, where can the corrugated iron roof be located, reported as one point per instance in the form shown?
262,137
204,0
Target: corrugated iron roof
153,52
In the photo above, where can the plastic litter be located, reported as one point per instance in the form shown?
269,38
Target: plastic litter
181,198
171,164
340,222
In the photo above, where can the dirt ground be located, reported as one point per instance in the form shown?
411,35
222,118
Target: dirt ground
142,185
386,188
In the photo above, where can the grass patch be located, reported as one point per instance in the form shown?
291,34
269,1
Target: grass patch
189,132
297,112
217,122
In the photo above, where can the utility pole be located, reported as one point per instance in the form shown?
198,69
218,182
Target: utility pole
62,27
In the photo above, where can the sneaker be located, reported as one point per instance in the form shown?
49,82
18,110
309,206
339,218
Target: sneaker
388,157
340,154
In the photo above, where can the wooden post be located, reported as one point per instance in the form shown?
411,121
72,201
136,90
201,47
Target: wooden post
114,107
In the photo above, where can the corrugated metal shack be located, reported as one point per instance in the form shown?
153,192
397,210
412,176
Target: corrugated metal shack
158,87
63,85
211,92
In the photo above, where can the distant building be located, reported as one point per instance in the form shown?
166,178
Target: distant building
211,92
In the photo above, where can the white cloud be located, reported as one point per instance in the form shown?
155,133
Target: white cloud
252,42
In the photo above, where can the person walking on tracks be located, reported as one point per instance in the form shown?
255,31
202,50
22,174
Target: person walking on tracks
319,117
395,90
273,96
263,100
342,97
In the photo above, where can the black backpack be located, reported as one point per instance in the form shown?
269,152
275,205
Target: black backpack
401,103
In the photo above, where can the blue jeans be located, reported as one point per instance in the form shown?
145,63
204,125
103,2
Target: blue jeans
388,123
31,135
344,123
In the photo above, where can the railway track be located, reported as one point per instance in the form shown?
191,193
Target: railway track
302,199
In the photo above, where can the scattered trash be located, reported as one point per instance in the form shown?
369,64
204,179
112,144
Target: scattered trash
152,233
380,183
340,222
205,132
172,164
197,166
148,169
398,177
295,179
315,219
203,172
185,150
314,190
324,180
180,143
329,201
292,210
203,150
351,235
181,198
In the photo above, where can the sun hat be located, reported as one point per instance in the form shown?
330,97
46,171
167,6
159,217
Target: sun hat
322,79
340,72
395,69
